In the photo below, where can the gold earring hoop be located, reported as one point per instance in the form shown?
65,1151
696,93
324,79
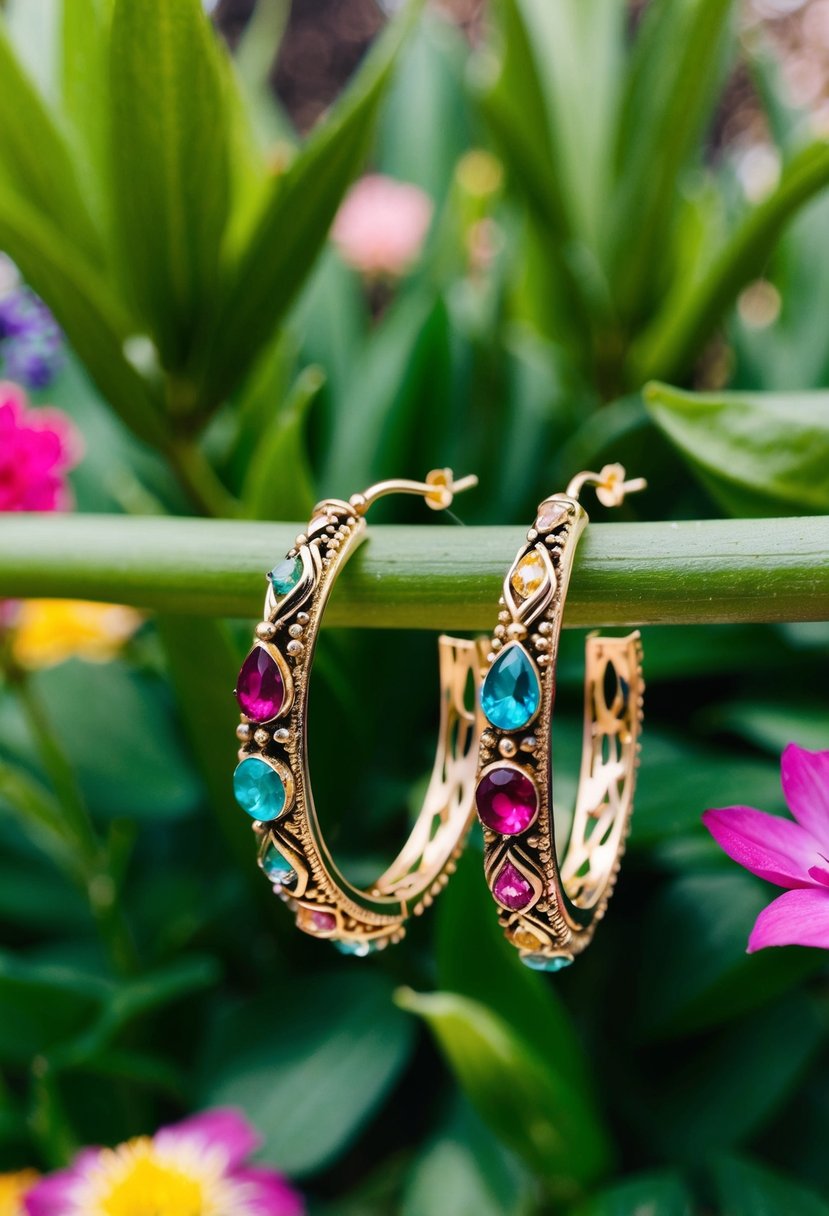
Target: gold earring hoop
550,909
272,780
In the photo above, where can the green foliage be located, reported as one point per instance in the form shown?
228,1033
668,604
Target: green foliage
574,302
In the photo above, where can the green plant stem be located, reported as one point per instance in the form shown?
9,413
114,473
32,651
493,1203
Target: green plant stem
198,479
101,889
430,577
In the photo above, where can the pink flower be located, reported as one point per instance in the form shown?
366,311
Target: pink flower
196,1167
381,226
790,853
38,447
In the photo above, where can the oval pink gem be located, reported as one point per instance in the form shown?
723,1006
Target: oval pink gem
511,888
260,689
507,801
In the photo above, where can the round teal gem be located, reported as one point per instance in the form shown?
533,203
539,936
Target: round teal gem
543,962
277,867
511,693
357,949
259,789
285,576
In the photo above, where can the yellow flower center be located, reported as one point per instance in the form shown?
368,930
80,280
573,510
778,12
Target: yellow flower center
139,1179
13,1188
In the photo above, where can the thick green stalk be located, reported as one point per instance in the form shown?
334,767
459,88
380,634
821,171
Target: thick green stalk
430,577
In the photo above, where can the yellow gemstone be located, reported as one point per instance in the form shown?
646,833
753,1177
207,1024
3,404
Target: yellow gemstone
528,575
526,940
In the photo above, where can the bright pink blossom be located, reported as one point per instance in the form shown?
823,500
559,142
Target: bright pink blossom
381,226
792,853
38,447
198,1167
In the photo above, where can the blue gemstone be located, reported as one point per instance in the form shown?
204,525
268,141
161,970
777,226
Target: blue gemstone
543,962
259,789
277,867
511,694
286,575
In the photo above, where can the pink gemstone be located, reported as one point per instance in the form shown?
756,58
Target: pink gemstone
550,515
511,888
507,801
260,689
323,922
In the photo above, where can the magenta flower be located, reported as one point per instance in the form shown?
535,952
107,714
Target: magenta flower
38,447
197,1168
790,853
381,226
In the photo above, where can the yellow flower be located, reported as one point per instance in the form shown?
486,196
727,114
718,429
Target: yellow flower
47,632
13,1189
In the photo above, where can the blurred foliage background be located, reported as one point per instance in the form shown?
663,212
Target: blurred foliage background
623,198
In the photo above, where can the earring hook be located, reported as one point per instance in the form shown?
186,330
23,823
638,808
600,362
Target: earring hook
437,490
610,485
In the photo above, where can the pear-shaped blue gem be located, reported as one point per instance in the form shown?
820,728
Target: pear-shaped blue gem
259,789
277,867
511,694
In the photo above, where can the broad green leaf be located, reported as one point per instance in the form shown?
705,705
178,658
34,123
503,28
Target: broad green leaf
642,1195
279,483
743,1188
126,727
716,1097
773,724
693,970
35,161
677,66
695,307
327,1049
203,662
254,58
43,1006
93,319
756,453
170,167
84,96
525,1101
466,1171
268,272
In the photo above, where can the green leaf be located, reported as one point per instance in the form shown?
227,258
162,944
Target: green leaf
643,1195
39,814
696,306
716,1097
693,968
758,454
43,1006
279,483
742,1188
525,1101
278,255
327,1049
466,1171
92,318
677,66
84,79
35,161
170,166
772,725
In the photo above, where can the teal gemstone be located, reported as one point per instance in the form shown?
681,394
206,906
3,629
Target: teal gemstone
259,789
357,949
511,693
542,962
277,867
286,575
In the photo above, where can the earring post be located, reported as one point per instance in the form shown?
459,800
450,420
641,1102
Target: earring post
438,489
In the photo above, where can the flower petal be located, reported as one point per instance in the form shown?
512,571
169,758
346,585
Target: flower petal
225,1130
795,918
805,779
778,850
267,1193
51,1196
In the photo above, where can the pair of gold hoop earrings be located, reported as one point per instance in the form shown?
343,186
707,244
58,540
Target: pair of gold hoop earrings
492,758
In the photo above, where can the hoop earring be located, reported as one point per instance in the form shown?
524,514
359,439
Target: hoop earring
272,780
550,909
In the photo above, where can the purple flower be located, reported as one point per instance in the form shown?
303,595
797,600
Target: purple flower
31,344
791,853
197,1167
